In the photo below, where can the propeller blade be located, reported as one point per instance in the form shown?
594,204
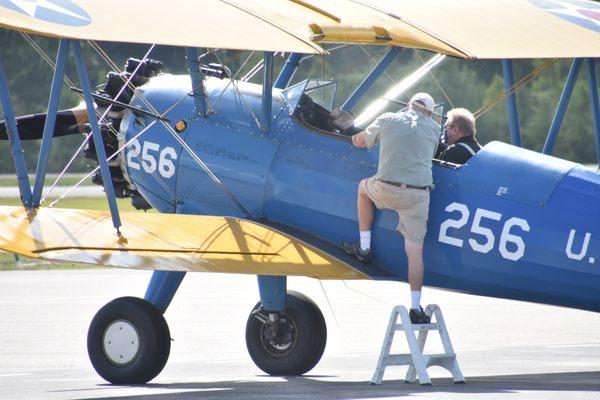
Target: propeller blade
31,127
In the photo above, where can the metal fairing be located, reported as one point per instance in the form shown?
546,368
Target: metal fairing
162,92
511,223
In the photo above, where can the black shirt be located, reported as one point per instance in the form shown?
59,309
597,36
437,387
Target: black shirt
457,153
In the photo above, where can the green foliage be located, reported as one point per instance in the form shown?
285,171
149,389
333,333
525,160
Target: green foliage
86,203
465,84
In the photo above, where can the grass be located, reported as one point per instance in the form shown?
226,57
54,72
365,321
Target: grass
7,260
89,203
67,180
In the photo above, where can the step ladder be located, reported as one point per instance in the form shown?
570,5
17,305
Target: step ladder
416,360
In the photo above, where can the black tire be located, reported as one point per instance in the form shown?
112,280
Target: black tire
147,352
304,322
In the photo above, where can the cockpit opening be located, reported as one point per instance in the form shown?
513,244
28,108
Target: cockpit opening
318,118
311,102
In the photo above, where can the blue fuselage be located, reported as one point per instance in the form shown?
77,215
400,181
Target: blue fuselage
511,223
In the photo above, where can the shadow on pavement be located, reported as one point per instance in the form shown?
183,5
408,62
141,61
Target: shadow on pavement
313,387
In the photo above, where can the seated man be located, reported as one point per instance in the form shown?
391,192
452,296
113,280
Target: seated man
459,132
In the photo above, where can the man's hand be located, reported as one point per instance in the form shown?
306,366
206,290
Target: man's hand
359,140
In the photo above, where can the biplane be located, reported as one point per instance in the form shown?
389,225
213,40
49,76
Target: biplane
261,179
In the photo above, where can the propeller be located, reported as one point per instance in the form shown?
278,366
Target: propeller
31,127
72,121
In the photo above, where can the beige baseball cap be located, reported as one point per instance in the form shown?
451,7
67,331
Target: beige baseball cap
423,100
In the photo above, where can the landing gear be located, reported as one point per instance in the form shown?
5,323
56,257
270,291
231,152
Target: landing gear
290,342
128,341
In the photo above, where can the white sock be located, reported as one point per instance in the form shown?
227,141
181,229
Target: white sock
365,240
415,299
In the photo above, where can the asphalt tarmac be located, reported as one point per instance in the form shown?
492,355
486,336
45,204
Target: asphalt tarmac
506,349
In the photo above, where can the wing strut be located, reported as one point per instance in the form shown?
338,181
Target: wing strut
287,73
511,102
48,135
97,137
595,103
32,198
379,69
15,141
197,78
267,91
561,109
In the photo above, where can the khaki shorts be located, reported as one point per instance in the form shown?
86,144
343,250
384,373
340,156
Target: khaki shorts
412,206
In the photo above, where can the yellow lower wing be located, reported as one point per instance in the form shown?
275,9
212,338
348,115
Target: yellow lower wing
164,242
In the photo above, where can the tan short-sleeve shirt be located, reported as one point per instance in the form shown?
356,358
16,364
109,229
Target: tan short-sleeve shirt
408,141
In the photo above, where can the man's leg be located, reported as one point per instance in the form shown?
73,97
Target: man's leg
366,209
414,252
365,206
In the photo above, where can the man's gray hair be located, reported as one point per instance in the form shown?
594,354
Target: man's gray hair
462,118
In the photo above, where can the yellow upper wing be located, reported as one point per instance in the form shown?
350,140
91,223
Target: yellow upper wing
466,28
204,23
164,242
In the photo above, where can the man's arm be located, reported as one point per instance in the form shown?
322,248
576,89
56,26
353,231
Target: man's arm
370,136
359,140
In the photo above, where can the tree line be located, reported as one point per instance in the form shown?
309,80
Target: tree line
476,85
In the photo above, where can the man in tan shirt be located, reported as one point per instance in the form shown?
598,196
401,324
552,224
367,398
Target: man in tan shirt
408,140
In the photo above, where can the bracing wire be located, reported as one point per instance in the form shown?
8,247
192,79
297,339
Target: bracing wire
66,79
41,52
253,71
128,83
503,94
98,167
374,62
329,303
184,145
195,157
232,77
430,72
239,93
364,294
48,60
88,136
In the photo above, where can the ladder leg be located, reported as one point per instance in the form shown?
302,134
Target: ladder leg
418,360
452,367
385,348
411,374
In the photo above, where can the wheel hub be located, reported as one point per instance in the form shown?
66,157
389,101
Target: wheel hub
280,339
121,342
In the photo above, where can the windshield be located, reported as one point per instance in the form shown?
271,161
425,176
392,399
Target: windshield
322,92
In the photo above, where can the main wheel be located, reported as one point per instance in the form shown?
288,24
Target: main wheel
292,347
128,341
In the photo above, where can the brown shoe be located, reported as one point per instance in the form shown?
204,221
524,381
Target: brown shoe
419,316
353,249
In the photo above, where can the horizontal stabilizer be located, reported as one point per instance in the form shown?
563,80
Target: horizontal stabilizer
164,242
